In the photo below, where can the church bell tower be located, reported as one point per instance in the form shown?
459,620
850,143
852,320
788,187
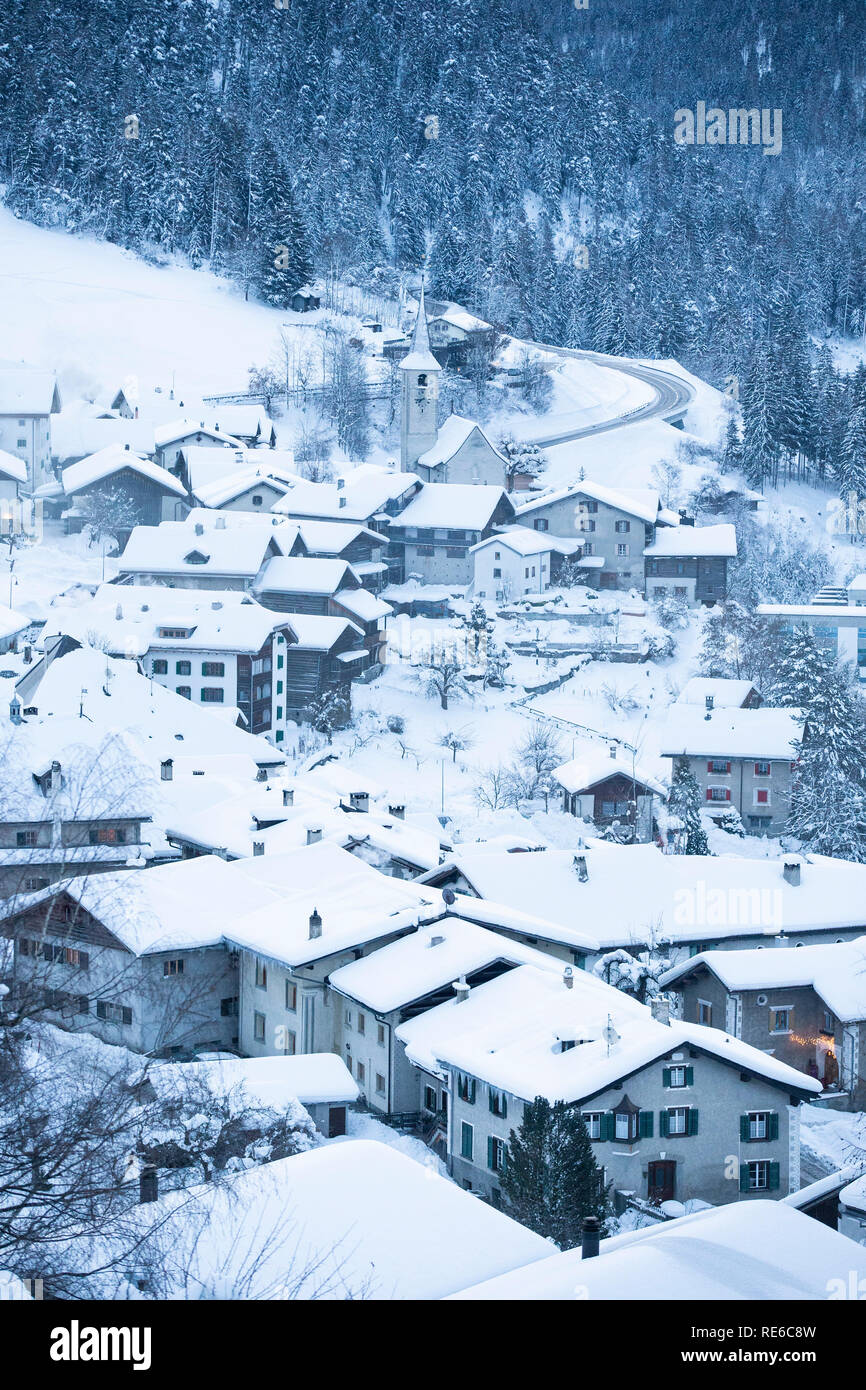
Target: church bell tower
420,395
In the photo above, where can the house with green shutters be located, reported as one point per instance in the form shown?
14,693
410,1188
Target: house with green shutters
674,1110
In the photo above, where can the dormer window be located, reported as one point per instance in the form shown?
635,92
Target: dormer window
181,632
196,557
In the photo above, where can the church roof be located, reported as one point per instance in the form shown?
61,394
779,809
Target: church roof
420,358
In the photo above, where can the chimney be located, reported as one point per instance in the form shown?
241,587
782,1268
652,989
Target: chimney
199,529
314,834
661,1010
118,613
136,413
461,989
359,801
709,702
590,1235
28,654
220,523
436,941
148,1184
216,605
613,750
288,796
341,483
126,446
262,774
258,847
398,812
580,868
166,770
15,710
568,977
791,872
315,926
342,501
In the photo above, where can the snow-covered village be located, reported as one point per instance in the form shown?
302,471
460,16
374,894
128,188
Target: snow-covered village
432,656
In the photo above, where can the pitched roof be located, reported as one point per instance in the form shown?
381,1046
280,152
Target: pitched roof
718,540
451,437
12,467
466,506
419,357
113,459
301,574
726,694
27,390
177,430
365,491
523,541
595,764
176,547
835,970
731,733
639,502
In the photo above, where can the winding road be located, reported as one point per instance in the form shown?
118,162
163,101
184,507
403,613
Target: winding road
672,395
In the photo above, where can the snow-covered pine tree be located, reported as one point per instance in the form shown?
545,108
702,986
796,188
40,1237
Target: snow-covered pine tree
282,262
685,803
551,1180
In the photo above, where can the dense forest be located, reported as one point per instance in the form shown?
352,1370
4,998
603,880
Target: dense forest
521,151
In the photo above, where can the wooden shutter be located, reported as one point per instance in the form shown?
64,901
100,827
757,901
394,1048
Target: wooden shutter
744,1129
666,1076
472,1090
490,1151
744,1177
693,1121
645,1124
727,767
663,1124
607,1128
491,1099
774,1177
772,1126
709,764
727,793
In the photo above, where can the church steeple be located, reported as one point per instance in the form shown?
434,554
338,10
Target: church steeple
420,394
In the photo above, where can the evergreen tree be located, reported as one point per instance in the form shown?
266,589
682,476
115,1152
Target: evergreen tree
851,467
685,803
282,261
551,1180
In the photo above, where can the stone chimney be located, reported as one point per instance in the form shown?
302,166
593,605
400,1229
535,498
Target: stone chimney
220,523
590,1236
398,812
568,977
288,796
314,834
199,529
341,483
359,801
315,926
148,1184
709,701
166,770
461,989
661,1010
258,847
580,868
436,941
791,872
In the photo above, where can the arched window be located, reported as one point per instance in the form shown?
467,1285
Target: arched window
422,379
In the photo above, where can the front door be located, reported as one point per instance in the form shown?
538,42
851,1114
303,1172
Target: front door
337,1121
661,1179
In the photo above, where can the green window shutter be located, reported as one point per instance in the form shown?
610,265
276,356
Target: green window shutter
666,1076
466,1137
744,1129
503,1160
490,1099
663,1124
693,1121
772,1126
472,1091
690,1076
605,1126
490,1151
504,1107
774,1176
744,1177
645,1124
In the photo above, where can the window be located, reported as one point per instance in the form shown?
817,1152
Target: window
622,526
259,1027
586,524
467,1141
680,591
828,1025
213,668
182,668
762,796
26,838
362,1023
380,1034
362,1073
175,631
261,975
498,1103
678,1120
718,794
719,767
705,1013
380,1084
541,523
184,690
455,552
423,550
107,835
625,1126
113,1013
159,667
758,823
347,1016
466,1089
456,535
497,555
757,1126
762,769
591,507
497,574
291,996
587,547
257,499
289,1041
678,1076
172,967
22,444
593,1124
34,885
496,1154
430,1098
622,550
780,1020
229,1007
760,1176
212,695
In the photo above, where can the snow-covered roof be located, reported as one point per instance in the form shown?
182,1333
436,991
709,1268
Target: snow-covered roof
232,485
429,959
639,502
178,430
76,434
312,1079
363,605
175,547
508,1033
133,619
634,893
301,574
332,537
461,319
595,764
720,540
357,904
12,467
320,633
240,420
451,436
754,1251
763,733
88,472
854,1195
465,505
835,970
27,390
348,1220
366,491
725,693
12,623
525,542
420,358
